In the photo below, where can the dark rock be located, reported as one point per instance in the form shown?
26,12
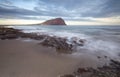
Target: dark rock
81,42
58,43
9,33
98,57
61,44
10,36
112,70
105,56
68,75
82,70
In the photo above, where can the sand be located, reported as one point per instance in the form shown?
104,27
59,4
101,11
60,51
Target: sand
29,59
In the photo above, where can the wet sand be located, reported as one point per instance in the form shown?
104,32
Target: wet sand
28,59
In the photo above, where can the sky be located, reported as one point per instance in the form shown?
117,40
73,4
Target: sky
74,12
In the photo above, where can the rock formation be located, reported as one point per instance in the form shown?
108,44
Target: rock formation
58,43
56,21
111,70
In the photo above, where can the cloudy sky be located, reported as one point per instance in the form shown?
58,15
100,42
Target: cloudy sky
74,12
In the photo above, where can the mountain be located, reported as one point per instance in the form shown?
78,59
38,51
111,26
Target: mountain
56,21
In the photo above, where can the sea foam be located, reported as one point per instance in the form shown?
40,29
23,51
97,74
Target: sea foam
92,45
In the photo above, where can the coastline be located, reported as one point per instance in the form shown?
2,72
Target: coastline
33,59
29,59
26,59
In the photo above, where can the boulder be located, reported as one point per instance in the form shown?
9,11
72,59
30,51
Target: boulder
9,33
68,75
58,43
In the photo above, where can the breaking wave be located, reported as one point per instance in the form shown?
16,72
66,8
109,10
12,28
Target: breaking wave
91,44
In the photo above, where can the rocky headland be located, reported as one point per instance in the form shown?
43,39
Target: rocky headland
56,21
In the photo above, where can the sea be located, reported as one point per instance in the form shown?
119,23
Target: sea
102,39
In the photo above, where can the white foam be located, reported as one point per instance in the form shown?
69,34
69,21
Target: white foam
70,35
104,47
91,44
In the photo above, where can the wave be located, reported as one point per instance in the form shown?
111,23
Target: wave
91,44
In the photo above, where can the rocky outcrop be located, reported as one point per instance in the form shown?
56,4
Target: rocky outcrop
59,43
68,75
9,33
56,21
112,70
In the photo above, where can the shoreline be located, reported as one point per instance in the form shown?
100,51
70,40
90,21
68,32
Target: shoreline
30,59
51,58
26,59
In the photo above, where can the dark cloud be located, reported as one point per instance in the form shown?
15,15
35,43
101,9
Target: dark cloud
83,8
7,2
68,9
112,7
15,11
108,9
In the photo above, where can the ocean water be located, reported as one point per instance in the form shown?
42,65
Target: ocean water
102,39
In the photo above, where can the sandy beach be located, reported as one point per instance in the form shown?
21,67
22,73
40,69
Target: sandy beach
27,59
59,38
21,59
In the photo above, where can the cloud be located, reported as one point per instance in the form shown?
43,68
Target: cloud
81,8
15,12
76,10
107,9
